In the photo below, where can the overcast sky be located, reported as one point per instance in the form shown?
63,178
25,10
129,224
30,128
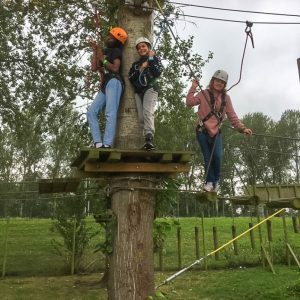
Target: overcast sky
270,79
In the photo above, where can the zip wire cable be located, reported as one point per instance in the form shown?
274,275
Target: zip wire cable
235,10
217,250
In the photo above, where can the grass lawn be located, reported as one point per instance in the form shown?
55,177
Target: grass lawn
34,271
244,283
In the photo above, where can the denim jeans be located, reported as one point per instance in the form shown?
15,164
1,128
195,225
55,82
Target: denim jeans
110,103
145,108
207,143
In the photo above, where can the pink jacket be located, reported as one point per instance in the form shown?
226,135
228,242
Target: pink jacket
212,124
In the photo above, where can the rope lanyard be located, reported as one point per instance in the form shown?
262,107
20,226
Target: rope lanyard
248,35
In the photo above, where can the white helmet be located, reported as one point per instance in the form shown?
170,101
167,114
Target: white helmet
221,74
143,40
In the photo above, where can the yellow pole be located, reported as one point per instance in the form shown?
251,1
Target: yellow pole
218,249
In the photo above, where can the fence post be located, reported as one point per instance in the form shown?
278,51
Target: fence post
216,244
295,224
161,257
197,246
5,248
260,238
286,240
203,240
235,244
179,248
73,247
252,238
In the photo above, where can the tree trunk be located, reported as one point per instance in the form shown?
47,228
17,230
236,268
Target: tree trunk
131,265
129,134
131,270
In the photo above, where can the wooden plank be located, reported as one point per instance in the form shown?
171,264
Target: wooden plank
114,156
281,203
93,155
139,167
166,157
58,185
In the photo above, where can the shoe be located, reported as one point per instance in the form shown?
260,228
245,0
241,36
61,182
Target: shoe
98,145
106,146
208,187
216,186
149,145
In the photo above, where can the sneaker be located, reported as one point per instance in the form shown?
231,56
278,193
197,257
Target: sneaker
98,145
149,145
216,186
208,187
106,146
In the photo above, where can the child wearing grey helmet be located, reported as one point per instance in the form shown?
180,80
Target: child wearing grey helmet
143,76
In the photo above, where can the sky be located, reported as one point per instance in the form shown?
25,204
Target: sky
270,78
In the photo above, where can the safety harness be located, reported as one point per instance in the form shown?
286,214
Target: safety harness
218,114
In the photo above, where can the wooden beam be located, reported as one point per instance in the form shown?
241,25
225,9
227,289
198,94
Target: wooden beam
204,197
293,254
58,185
114,156
166,158
121,167
267,258
289,202
92,155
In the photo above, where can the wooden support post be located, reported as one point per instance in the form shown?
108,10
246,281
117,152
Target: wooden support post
197,245
288,257
203,239
252,239
179,248
260,238
216,243
235,244
295,224
73,246
270,238
161,257
5,248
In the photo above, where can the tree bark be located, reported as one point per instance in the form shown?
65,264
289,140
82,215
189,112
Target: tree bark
129,129
131,270
131,265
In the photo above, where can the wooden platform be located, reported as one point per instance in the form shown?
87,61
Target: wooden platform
277,196
58,185
106,161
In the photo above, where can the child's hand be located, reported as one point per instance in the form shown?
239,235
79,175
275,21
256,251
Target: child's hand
195,83
144,65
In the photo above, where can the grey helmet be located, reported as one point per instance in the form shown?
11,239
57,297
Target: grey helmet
143,40
222,75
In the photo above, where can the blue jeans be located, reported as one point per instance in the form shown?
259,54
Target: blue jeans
110,102
207,143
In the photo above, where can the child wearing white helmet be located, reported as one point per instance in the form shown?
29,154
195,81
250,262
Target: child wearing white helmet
143,75
107,62
213,104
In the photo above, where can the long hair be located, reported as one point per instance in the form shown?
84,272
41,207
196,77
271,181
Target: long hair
210,86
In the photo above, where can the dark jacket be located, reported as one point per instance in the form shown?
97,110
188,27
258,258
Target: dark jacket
145,79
